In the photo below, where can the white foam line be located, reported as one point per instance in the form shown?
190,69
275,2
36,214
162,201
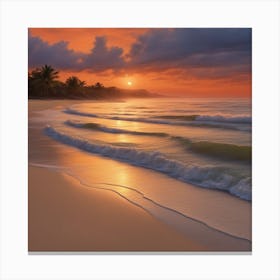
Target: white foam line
207,177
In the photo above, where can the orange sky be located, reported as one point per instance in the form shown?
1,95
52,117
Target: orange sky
151,72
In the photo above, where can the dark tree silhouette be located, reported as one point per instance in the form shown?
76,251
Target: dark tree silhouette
74,82
43,83
43,79
98,85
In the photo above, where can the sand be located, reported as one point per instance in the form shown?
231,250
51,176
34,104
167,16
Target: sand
63,216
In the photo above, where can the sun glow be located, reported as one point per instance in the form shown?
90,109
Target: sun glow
129,83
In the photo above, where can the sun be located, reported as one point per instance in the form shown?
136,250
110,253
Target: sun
129,83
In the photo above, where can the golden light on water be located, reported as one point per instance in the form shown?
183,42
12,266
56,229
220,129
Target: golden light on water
122,138
120,124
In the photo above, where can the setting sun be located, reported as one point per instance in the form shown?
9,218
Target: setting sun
129,83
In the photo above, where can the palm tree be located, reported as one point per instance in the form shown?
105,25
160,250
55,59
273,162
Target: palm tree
74,82
43,79
75,86
48,73
98,85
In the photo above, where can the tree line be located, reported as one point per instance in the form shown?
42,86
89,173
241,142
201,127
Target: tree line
43,83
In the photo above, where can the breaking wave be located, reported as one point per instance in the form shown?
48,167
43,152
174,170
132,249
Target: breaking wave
217,150
226,119
223,151
211,118
74,112
204,176
217,121
96,126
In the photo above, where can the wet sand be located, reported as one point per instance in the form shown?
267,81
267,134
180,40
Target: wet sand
63,216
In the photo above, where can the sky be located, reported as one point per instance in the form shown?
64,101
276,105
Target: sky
196,62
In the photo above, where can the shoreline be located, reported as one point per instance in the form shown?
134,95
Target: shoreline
63,216
167,239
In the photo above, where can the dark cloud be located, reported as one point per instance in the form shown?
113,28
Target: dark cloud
103,58
192,47
57,55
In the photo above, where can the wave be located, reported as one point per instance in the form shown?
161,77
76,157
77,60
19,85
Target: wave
217,150
204,176
188,120
146,120
223,151
227,119
79,113
210,124
211,118
96,126
176,117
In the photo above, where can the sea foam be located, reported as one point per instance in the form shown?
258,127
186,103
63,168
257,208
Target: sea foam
203,176
218,150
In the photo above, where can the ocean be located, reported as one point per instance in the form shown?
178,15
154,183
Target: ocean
204,143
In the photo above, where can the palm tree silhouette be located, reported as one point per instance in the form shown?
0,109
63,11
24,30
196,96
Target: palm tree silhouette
48,73
98,85
74,82
44,78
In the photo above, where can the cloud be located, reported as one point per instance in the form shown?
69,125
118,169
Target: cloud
57,55
192,47
101,58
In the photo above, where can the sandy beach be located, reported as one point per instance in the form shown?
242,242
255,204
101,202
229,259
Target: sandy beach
63,216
